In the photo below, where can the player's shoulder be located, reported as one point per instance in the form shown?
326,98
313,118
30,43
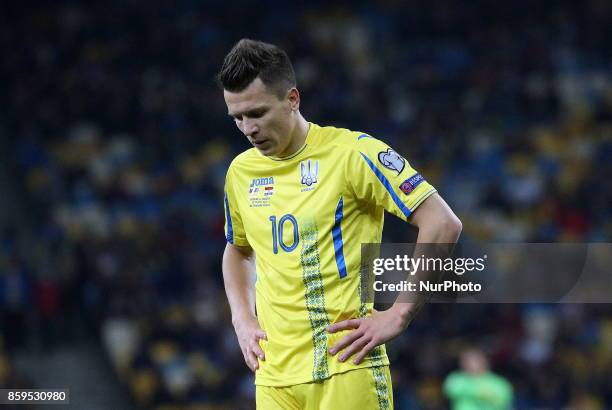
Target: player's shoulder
454,377
244,160
346,139
356,144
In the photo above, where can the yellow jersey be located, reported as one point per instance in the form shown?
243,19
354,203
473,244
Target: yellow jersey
306,216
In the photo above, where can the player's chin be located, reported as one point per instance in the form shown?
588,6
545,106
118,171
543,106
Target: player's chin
267,149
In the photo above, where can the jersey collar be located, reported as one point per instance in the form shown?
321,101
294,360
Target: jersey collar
309,137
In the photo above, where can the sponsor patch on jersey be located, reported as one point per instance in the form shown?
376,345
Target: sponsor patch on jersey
260,191
309,173
392,160
411,183
265,181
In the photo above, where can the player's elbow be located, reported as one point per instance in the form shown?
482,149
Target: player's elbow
436,221
447,227
451,227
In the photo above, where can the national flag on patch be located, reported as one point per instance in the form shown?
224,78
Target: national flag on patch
268,190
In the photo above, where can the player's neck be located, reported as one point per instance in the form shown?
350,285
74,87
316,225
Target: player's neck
298,137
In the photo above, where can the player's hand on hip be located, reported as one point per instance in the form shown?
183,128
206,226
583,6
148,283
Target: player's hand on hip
368,333
249,334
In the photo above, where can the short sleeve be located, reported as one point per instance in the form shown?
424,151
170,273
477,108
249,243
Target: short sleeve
380,176
234,229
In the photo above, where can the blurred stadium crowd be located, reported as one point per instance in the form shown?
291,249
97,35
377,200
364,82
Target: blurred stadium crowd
120,141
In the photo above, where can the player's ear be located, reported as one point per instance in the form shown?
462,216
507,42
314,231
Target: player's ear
293,97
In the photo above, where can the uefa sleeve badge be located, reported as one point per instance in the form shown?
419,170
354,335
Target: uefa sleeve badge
411,183
392,160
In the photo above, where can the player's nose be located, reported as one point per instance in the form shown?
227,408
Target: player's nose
250,129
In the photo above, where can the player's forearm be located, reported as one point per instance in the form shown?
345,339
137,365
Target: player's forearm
438,225
238,277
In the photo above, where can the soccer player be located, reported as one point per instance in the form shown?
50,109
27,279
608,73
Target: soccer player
475,387
298,206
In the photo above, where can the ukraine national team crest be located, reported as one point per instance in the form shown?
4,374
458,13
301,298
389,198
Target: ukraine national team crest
260,191
309,172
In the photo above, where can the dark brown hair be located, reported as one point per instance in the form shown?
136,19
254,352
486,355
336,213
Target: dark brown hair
249,59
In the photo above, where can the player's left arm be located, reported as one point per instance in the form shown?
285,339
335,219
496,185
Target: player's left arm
437,223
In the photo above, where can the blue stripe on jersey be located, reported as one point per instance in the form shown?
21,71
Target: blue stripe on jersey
383,180
363,136
337,235
228,218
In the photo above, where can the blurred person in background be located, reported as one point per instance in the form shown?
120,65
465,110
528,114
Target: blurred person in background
299,205
475,387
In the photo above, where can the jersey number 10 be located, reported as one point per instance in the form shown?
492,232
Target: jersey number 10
277,233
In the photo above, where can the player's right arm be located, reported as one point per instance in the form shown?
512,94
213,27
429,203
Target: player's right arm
239,280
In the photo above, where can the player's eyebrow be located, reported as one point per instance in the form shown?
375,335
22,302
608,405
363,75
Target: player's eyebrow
249,113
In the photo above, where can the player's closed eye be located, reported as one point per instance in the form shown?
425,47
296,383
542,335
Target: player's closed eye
256,114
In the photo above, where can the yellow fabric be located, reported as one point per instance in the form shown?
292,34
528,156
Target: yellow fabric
306,217
364,389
